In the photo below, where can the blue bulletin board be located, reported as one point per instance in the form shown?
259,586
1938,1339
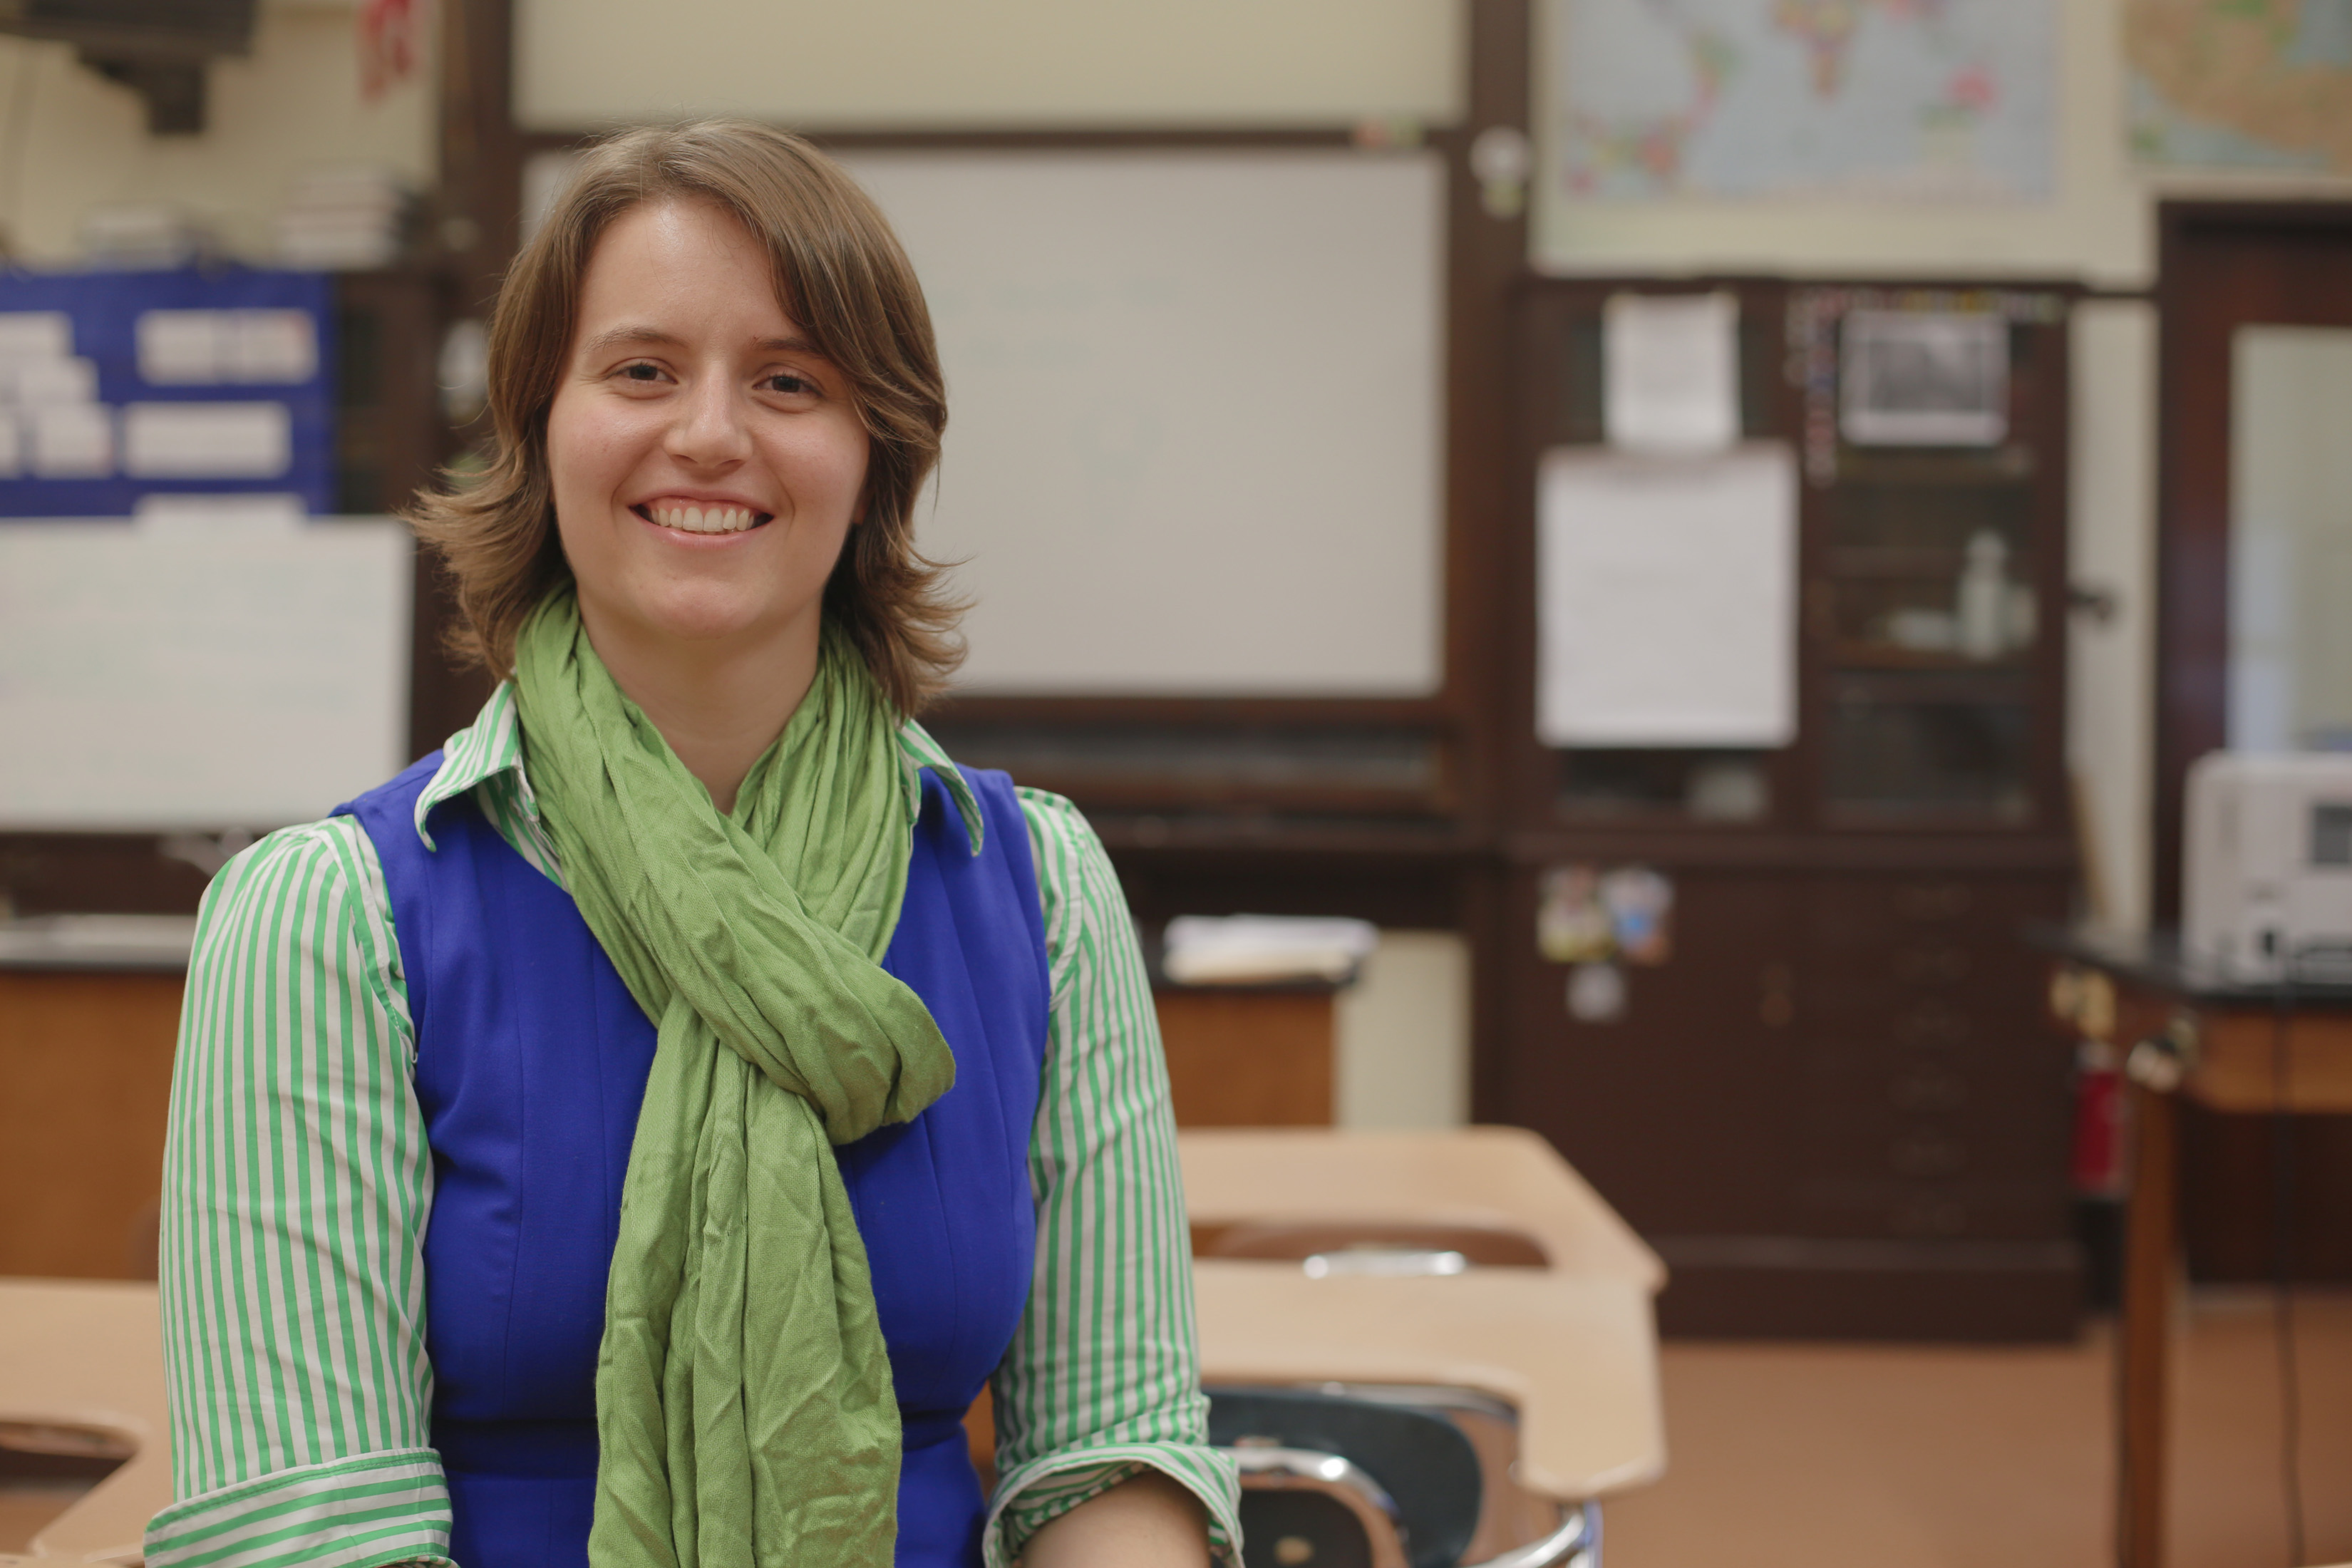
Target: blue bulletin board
116,385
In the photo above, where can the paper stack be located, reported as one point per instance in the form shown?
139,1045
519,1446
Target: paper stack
348,219
98,942
1258,950
52,426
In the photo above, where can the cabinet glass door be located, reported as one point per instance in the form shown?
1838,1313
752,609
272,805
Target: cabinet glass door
1932,621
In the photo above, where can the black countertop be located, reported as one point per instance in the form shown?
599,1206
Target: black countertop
2157,960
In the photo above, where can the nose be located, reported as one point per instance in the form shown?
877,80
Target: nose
709,431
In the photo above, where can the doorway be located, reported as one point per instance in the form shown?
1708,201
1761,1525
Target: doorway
2254,617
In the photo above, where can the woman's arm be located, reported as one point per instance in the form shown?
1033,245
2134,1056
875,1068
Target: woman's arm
1145,1522
1102,1382
296,1183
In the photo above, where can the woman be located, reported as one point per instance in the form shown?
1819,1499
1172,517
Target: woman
636,1133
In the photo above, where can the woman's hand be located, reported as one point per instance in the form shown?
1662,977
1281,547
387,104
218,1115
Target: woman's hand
1145,1522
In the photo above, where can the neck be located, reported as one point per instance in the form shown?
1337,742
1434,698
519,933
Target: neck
718,704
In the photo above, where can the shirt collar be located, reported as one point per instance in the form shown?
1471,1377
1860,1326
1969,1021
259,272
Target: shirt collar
490,748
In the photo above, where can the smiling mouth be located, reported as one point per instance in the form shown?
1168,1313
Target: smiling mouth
704,518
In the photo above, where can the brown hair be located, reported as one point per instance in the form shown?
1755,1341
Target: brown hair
840,275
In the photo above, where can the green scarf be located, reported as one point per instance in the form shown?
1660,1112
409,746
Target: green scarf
745,1416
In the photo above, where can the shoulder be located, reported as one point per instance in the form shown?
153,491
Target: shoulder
330,857
302,900
1089,934
1054,821
1071,860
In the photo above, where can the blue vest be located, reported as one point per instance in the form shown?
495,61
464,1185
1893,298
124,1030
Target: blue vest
531,1059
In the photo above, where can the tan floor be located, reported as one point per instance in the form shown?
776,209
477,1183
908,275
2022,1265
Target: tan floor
1882,1456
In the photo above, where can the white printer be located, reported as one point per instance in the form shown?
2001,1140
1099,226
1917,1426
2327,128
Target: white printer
2268,873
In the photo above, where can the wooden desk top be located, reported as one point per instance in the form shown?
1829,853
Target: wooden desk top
1501,1177
90,1354
1578,1357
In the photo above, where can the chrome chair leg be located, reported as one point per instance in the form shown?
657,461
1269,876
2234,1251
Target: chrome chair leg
1575,1544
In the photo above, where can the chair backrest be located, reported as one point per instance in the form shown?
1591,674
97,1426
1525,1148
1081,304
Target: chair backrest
1420,1459
1510,1516
1300,1509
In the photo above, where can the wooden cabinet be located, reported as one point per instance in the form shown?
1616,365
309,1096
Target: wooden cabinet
1829,1115
85,1078
1693,1065
1927,1113
1837,1107
1248,1056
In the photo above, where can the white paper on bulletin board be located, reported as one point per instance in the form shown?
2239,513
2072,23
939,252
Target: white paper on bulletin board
1667,607
1195,414
207,675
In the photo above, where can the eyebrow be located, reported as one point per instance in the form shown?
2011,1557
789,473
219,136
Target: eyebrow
654,337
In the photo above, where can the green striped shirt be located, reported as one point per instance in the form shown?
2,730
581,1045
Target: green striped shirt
297,1181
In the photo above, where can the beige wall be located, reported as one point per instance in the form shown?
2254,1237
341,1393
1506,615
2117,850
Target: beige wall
292,106
1402,1034
2111,698
824,64
295,105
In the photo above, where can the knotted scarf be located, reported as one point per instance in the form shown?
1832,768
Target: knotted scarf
745,1416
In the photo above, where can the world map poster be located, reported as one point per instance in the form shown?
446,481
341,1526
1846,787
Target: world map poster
1918,99
2242,84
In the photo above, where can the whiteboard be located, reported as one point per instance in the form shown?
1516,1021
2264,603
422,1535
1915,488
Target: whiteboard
204,675
1195,414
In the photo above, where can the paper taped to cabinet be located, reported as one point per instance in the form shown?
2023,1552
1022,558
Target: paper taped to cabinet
1667,598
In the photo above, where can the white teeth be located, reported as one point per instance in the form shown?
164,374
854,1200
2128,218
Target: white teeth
701,520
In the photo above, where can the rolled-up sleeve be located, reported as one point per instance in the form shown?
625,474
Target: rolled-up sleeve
1103,1378
297,1182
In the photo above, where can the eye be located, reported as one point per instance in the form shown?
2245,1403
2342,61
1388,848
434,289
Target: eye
789,383
641,370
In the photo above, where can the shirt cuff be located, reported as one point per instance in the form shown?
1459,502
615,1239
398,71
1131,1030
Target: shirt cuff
361,1512
1032,1496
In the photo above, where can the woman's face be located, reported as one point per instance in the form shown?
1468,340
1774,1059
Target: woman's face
706,461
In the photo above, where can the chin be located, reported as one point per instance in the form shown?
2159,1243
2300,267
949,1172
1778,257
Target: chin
709,613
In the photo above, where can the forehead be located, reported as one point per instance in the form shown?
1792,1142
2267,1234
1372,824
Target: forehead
684,267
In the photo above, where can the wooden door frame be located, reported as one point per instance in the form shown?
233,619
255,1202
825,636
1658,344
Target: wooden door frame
2194,336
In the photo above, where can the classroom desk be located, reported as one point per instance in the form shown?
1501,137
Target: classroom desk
2187,1031
1576,1356
1500,1178
87,1358
1573,1349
